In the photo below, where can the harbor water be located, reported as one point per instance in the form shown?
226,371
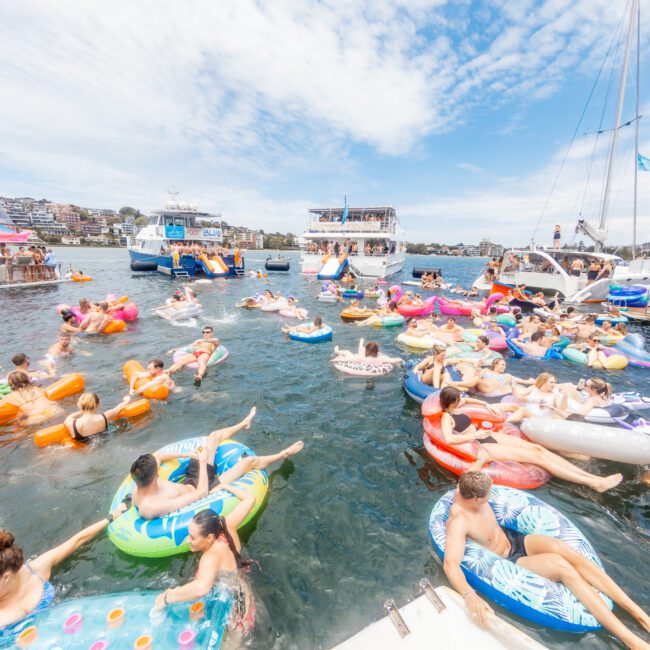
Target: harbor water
345,526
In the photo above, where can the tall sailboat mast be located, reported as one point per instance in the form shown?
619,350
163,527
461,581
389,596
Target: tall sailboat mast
617,120
636,127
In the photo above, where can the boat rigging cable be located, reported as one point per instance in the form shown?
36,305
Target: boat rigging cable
575,132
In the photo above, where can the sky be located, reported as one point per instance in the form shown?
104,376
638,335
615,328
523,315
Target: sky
458,113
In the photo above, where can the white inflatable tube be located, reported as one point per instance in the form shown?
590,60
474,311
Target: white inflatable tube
609,443
183,313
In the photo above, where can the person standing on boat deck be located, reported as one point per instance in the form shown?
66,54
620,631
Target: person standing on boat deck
606,270
50,264
557,236
577,267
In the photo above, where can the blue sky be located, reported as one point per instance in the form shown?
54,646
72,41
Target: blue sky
457,113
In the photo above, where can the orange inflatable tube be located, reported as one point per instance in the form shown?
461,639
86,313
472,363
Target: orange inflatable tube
114,326
64,387
81,278
58,433
159,391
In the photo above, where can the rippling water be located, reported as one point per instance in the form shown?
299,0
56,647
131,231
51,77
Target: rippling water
346,522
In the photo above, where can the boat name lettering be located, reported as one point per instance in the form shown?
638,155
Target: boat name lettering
203,233
174,232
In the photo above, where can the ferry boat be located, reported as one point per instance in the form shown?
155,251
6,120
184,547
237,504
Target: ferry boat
176,225
368,242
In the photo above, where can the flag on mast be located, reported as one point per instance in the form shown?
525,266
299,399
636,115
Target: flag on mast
345,209
644,163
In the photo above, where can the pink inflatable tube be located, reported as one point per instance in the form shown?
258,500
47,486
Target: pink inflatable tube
410,311
465,309
128,313
78,316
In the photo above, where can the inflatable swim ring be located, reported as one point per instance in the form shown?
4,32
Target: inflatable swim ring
415,388
614,361
113,327
188,311
497,342
168,535
127,620
614,320
326,296
618,444
354,313
419,342
58,433
362,366
218,356
466,351
160,391
458,458
81,278
351,293
522,592
322,334
392,320
632,346
129,310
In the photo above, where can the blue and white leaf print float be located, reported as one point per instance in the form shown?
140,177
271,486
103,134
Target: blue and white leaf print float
521,591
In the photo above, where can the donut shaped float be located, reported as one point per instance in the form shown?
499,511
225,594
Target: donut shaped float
419,342
613,362
322,334
522,592
414,387
362,366
218,356
354,313
168,535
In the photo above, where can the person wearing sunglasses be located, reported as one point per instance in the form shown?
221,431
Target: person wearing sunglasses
201,351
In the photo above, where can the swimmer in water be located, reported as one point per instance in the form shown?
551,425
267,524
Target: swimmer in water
156,375
96,321
21,362
202,350
472,517
87,422
155,497
68,326
31,401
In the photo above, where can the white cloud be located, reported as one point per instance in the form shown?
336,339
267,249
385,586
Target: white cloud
237,101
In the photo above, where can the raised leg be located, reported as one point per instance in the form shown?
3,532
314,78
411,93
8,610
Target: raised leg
555,567
258,462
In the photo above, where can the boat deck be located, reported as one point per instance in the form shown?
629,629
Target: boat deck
38,283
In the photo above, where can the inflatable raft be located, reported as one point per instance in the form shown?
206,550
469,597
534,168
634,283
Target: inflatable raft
218,356
168,535
127,620
619,444
419,342
511,586
322,334
362,366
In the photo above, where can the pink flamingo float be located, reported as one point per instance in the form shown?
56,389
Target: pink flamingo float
461,308
409,311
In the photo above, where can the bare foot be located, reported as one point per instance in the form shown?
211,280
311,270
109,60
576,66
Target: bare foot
249,418
608,482
294,449
197,379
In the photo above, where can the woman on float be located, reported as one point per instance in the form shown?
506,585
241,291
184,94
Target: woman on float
368,350
25,590
493,381
456,429
305,328
216,538
438,372
596,393
541,398
68,326
31,401
87,422
385,310
592,348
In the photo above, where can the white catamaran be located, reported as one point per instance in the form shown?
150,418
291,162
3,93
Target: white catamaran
369,242
553,270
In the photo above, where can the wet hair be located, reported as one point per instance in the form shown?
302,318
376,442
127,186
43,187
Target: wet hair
88,402
621,327
19,359
318,321
177,297
144,470
448,396
536,336
11,556
67,315
157,363
210,523
474,485
493,365
570,310
483,339
542,378
208,327
18,379
372,349
602,388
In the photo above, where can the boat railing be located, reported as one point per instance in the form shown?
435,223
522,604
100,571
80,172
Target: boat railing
351,226
21,271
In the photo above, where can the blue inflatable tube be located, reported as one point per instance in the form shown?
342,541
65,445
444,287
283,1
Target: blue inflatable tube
351,293
614,320
323,334
551,353
631,290
416,389
522,592
632,346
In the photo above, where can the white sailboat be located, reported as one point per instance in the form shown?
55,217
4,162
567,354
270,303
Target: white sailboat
549,270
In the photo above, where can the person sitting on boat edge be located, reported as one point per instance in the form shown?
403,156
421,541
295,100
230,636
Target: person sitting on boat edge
156,375
216,539
155,497
21,582
305,328
472,517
